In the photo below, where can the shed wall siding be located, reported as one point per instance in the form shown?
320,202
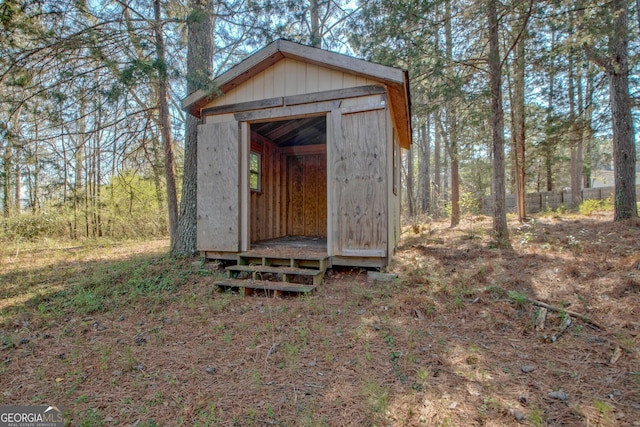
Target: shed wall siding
218,204
290,77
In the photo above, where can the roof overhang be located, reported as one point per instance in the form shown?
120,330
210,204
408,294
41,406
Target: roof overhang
396,80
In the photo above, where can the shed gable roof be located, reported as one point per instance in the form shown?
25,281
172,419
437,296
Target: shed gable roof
395,79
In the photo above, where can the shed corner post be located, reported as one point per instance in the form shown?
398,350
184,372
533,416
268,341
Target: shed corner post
243,182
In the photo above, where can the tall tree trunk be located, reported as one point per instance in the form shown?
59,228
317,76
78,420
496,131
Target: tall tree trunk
34,199
445,165
165,123
316,38
519,119
6,182
199,73
588,127
425,165
500,229
452,123
624,150
87,189
410,178
550,137
17,205
616,65
437,176
573,135
98,199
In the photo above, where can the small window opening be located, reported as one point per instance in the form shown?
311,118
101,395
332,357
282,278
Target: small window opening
255,160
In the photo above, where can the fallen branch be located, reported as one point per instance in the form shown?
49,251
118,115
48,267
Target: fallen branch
566,322
541,319
562,310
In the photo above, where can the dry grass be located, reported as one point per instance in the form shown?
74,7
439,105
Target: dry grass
121,334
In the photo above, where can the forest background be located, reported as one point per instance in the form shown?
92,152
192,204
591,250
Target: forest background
93,140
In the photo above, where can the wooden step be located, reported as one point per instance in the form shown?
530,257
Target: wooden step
276,287
286,273
320,262
276,270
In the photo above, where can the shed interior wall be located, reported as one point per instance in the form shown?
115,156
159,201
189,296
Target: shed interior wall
292,200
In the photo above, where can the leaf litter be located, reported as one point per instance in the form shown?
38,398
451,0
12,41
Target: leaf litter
456,339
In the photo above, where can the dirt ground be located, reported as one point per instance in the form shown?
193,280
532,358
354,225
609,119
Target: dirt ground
456,340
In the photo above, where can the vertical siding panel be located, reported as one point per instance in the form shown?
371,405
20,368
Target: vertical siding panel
336,79
244,92
349,80
257,85
324,80
277,194
310,192
313,76
269,81
279,76
269,177
284,200
218,197
301,80
322,193
361,81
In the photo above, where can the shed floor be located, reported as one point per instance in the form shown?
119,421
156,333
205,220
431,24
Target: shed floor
290,246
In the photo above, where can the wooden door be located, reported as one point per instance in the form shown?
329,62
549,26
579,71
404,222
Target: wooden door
359,184
307,195
218,199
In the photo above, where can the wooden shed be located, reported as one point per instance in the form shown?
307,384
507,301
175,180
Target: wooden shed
300,152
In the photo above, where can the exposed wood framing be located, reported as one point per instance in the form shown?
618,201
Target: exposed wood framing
288,112
328,95
244,106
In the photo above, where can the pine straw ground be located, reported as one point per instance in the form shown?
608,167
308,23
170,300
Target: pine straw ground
122,335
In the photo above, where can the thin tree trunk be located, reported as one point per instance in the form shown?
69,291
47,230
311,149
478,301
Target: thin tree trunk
87,191
410,192
437,176
77,184
500,230
6,182
98,155
588,126
316,39
445,166
519,121
550,138
35,204
425,165
452,124
165,124
199,73
18,179
575,132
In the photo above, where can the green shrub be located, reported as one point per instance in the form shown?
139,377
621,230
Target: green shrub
28,226
130,207
588,207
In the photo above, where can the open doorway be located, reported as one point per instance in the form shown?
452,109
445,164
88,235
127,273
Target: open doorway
288,180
